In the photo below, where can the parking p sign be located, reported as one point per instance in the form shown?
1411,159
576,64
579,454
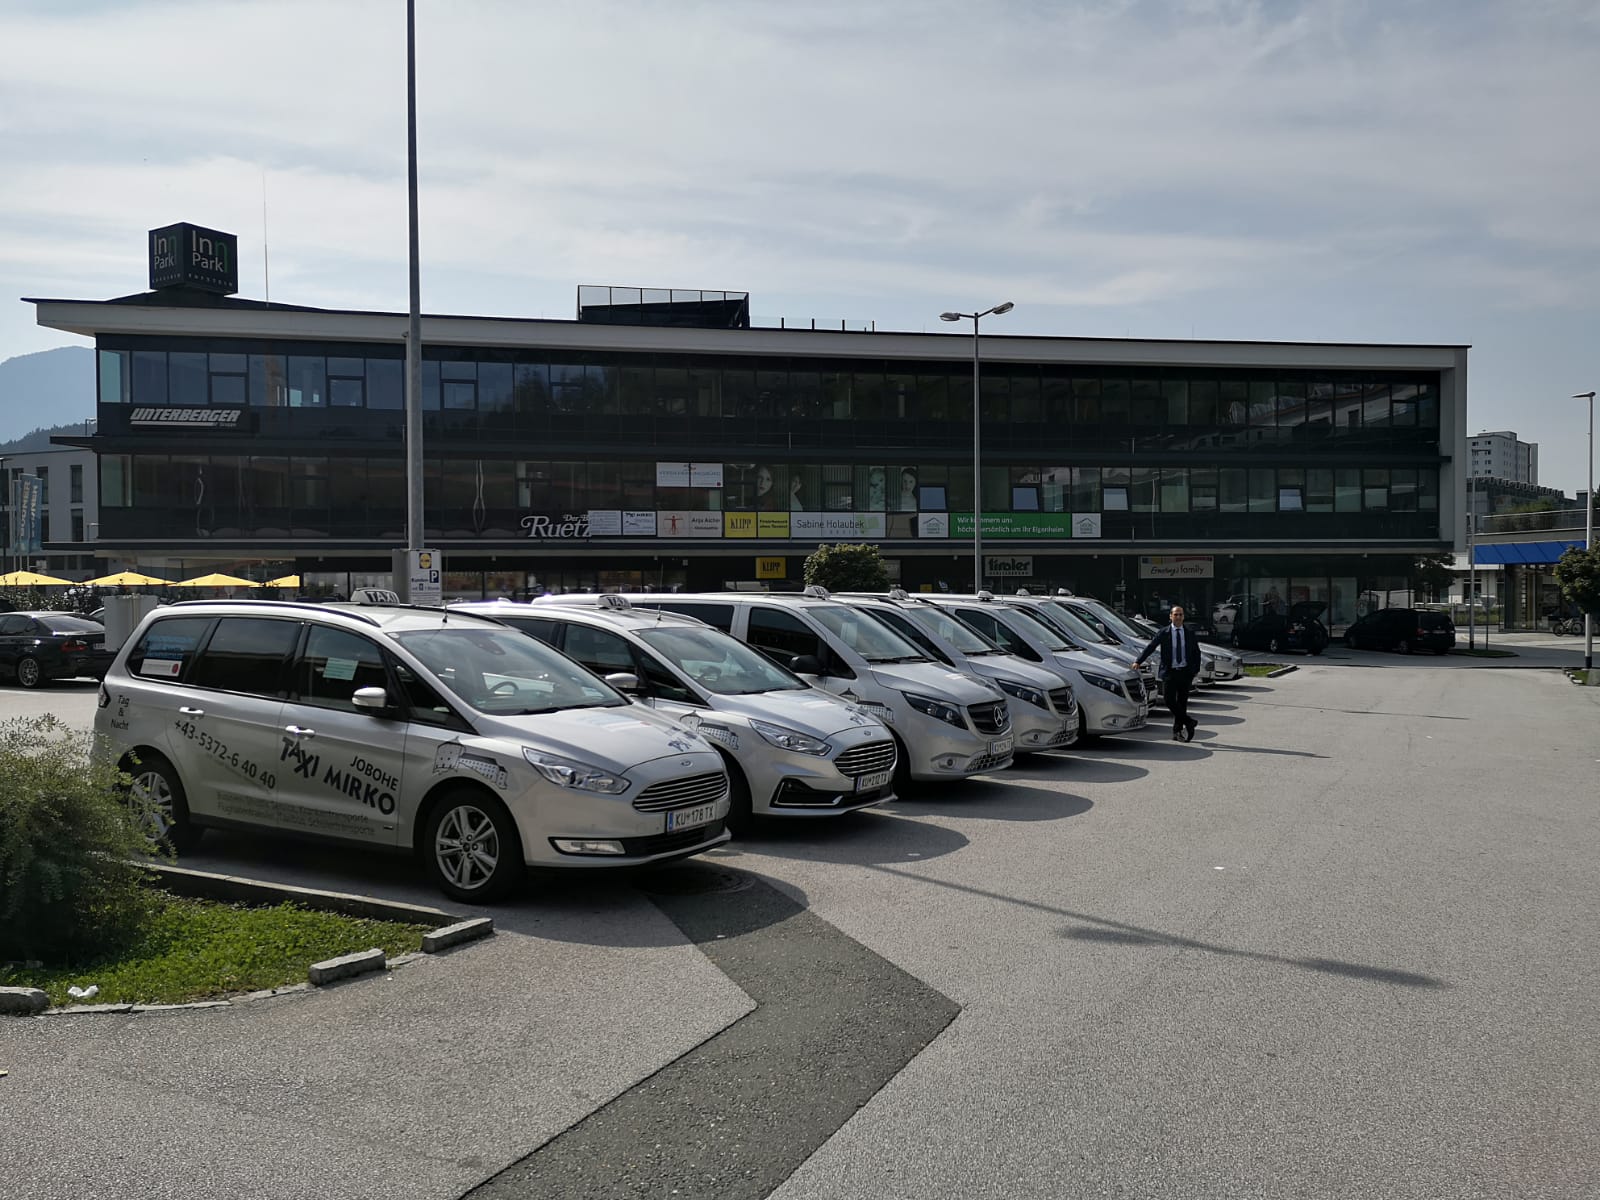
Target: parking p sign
427,584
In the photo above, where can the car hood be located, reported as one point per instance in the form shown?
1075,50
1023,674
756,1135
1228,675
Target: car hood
1093,664
615,739
1015,670
812,712
1307,610
933,679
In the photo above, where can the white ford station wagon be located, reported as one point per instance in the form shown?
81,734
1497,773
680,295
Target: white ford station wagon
406,728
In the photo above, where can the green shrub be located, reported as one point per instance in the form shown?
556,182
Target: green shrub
848,567
69,879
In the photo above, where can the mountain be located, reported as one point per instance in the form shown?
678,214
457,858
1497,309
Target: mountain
52,387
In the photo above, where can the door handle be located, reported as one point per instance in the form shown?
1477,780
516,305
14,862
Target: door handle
299,731
191,712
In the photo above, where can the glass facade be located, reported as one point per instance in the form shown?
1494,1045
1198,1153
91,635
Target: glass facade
310,445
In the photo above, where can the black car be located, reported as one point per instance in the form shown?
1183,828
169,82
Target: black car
1403,629
1301,628
39,646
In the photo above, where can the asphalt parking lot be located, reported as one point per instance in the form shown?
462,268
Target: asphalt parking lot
1336,946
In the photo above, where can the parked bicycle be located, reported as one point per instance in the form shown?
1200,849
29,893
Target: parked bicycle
1565,625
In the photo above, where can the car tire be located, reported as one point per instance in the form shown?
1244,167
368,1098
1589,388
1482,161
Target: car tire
471,847
1274,645
155,793
741,814
29,673
902,782
1402,647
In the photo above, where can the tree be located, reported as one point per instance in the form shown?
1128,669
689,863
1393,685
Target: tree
852,567
1433,574
1578,573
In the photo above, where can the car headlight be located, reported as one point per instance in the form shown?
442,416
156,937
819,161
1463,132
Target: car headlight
1022,692
790,739
1104,684
939,710
570,774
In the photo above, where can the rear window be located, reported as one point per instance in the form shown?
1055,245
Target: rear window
167,647
247,654
66,623
1433,620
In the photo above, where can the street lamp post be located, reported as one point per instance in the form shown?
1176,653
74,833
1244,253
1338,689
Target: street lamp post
977,437
1588,535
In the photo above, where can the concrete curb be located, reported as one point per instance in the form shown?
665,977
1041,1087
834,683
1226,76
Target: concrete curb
1281,671
449,930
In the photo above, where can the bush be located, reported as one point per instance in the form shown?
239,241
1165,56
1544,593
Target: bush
69,875
853,567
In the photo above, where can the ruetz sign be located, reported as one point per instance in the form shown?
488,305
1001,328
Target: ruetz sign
185,255
566,527
211,418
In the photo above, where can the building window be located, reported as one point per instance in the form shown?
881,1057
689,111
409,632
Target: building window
44,486
75,478
77,524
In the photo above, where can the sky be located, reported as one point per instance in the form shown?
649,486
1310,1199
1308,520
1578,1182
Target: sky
1419,171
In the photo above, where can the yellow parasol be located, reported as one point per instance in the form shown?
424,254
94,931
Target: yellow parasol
216,580
127,579
283,581
31,579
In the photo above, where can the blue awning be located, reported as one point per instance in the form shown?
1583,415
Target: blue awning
1522,553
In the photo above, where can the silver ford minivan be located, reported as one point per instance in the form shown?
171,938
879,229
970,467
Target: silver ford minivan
792,750
947,725
404,728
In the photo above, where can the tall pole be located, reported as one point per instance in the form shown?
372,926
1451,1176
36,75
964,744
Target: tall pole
1588,541
414,478
1472,567
977,466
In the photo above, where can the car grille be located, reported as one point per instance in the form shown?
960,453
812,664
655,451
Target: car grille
1136,691
990,718
985,762
1065,738
1063,701
792,793
682,792
665,843
864,760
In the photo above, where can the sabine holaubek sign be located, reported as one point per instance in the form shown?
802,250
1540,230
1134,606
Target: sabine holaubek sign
185,255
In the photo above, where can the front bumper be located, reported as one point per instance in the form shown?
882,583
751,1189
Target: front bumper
936,750
1039,729
789,784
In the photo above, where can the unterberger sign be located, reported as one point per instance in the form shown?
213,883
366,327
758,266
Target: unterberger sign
211,418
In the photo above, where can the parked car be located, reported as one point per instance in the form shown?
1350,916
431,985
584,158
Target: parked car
36,647
1044,712
1216,663
479,748
947,725
791,749
1301,628
1404,630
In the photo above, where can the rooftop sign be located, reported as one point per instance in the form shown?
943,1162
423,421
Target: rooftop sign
185,255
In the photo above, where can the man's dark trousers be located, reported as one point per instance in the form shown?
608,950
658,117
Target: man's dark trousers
1175,691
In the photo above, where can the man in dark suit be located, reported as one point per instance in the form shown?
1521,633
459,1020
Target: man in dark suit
1180,663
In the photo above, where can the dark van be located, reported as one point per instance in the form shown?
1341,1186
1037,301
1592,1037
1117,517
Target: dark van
1404,630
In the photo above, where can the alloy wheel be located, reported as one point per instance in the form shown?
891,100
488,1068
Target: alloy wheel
467,847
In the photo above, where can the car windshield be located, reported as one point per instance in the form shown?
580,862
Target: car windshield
505,673
1072,624
942,625
1111,620
1040,630
65,623
871,639
719,663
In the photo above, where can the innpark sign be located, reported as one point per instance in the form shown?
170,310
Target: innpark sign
185,255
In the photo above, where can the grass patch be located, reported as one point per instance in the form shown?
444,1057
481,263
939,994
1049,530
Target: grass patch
1579,676
1259,670
200,950
1485,653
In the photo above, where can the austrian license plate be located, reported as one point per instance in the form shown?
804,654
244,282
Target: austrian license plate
1003,746
685,818
1144,711
878,779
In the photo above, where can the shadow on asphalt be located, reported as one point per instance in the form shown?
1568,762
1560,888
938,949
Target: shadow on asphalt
1072,767
857,839
1104,931
994,800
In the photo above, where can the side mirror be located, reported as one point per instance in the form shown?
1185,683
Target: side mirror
625,681
807,664
373,699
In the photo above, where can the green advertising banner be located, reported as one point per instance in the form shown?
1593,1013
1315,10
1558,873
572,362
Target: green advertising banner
1014,525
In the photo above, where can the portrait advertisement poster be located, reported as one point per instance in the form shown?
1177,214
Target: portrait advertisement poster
605,522
838,525
684,523
638,523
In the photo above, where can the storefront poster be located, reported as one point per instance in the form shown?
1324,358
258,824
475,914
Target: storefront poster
603,522
739,525
933,525
705,475
682,523
1016,525
838,525
673,475
1086,525
637,523
772,525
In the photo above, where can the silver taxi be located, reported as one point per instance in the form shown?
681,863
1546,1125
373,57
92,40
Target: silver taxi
405,728
792,749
